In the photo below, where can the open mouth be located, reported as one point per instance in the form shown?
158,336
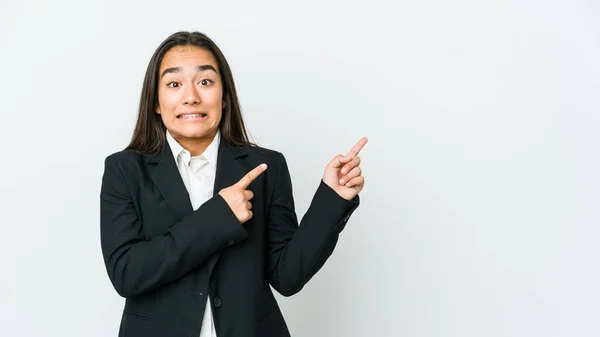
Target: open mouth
199,115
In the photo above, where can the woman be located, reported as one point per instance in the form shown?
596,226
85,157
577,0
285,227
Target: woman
194,227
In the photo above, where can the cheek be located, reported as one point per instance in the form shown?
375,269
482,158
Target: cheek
214,97
216,100
165,99
218,116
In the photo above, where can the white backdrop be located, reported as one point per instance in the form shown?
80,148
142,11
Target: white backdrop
481,209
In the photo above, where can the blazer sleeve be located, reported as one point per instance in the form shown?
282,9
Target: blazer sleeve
137,264
296,253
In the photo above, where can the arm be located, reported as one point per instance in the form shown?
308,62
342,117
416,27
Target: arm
136,264
296,254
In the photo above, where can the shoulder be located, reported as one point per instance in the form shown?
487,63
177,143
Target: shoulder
124,156
124,160
261,154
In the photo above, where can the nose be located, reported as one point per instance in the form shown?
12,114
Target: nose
191,96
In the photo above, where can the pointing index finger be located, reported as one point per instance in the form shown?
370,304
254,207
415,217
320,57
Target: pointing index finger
356,149
250,176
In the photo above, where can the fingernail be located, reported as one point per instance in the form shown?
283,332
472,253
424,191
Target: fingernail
264,166
344,170
341,181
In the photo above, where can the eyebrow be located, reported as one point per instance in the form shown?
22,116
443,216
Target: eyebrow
199,68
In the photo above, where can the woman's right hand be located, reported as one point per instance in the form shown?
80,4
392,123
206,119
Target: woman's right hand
238,197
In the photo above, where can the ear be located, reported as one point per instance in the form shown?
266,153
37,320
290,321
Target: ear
224,104
158,110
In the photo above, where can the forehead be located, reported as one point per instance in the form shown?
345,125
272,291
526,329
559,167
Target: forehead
187,56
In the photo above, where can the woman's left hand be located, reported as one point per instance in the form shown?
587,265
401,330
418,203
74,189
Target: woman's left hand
343,173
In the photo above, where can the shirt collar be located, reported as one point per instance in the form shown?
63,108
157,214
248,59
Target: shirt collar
211,152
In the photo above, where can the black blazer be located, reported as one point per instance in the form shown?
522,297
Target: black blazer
165,258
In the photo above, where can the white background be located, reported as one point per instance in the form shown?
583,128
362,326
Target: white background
481,210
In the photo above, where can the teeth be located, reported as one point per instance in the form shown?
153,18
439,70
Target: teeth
191,116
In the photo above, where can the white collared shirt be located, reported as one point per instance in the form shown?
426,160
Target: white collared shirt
198,175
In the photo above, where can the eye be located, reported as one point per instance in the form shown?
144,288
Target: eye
173,84
205,82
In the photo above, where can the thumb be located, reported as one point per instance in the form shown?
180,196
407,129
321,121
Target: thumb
339,161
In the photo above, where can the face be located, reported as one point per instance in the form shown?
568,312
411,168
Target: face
190,94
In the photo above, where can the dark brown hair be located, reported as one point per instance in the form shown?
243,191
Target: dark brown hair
149,134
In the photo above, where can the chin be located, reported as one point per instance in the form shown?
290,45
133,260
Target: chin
197,133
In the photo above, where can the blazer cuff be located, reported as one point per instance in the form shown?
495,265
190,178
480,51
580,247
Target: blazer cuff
333,207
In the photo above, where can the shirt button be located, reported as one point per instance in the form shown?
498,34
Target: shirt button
231,242
217,302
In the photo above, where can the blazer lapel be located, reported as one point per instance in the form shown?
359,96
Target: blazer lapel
165,175
168,181
229,172
229,168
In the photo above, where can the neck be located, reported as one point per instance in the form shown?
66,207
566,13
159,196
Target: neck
196,146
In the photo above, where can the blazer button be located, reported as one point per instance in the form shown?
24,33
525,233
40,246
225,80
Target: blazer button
231,242
217,301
